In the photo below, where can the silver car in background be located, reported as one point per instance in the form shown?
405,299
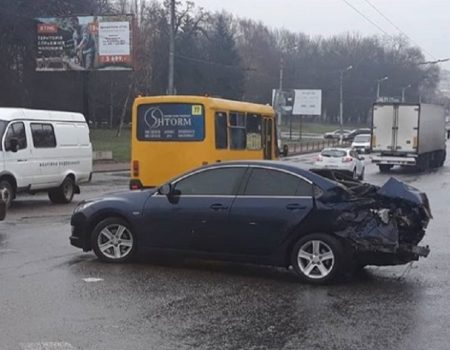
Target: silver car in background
361,143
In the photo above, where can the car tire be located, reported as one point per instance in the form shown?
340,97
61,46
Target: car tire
318,258
113,240
384,168
64,193
8,192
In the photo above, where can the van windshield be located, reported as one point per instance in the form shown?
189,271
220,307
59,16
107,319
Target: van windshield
3,125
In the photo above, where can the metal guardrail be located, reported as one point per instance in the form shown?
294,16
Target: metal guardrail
313,146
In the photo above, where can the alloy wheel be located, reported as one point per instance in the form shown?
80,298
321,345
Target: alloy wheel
115,241
315,259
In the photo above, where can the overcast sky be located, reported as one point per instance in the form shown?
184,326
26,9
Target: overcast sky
426,22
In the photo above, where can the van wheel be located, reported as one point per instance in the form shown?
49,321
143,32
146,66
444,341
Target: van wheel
8,192
318,258
64,193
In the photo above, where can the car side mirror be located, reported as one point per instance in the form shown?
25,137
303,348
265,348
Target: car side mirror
165,189
13,144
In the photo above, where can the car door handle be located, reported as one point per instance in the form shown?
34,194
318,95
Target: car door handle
22,160
295,206
218,206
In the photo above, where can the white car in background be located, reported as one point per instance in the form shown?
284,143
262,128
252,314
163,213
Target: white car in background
361,143
343,159
336,134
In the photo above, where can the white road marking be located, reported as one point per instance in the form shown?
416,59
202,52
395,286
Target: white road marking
92,279
47,346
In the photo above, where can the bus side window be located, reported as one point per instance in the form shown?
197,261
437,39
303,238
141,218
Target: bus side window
238,135
254,131
221,130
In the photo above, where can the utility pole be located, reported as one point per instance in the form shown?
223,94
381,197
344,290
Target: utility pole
279,92
170,86
341,102
378,86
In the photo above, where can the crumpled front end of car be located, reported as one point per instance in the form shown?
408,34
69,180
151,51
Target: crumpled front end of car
383,224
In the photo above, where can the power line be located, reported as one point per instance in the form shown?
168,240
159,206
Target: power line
396,27
365,17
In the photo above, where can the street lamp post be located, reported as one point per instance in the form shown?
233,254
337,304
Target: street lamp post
403,92
378,86
341,101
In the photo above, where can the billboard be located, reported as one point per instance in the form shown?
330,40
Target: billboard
171,122
297,102
82,43
307,102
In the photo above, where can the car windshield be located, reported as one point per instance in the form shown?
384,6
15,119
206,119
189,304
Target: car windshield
362,138
334,153
3,125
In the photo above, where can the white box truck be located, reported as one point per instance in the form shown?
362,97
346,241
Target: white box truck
43,151
408,135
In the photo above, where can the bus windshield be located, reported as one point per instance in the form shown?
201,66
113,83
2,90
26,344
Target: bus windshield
170,122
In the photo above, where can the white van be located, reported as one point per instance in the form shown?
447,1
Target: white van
43,151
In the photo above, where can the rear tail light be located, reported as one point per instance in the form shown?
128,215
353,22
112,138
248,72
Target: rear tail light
347,159
135,168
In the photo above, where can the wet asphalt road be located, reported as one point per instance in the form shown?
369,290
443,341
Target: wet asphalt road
45,303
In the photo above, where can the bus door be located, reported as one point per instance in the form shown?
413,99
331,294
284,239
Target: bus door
267,137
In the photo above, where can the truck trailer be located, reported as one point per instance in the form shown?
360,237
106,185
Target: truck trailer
408,135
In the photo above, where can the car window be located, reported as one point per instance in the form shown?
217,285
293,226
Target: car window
362,138
334,153
266,182
16,130
222,181
43,135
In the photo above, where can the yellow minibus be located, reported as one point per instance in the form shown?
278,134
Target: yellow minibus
174,134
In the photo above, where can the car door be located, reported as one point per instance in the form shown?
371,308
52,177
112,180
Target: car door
196,213
20,163
272,205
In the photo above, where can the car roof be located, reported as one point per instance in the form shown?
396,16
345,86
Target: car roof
281,165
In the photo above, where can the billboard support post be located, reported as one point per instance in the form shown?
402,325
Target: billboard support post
85,93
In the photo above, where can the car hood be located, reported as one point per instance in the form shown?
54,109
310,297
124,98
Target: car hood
133,200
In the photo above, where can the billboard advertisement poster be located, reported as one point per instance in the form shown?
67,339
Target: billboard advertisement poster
297,101
171,122
307,102
84,43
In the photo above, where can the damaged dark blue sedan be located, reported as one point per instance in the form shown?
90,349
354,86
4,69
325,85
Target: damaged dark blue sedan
320,222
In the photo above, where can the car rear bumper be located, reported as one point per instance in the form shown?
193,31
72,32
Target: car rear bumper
320,165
